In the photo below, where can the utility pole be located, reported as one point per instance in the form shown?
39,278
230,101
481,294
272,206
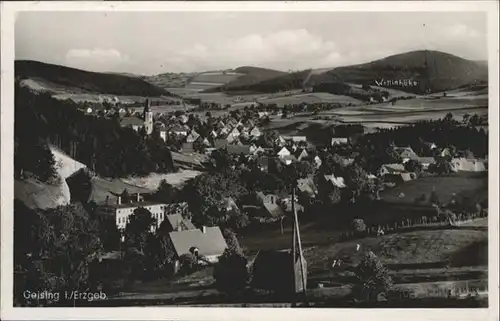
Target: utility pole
296,240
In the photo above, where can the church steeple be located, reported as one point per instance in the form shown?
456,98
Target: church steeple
148,117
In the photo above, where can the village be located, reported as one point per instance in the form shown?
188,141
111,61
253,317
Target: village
279,168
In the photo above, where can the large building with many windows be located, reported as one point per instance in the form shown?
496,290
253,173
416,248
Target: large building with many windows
123,211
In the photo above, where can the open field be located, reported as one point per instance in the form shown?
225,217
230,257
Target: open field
469,190
153,180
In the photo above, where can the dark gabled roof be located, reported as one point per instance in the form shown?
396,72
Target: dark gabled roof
274,210
176,220
209,243
238,149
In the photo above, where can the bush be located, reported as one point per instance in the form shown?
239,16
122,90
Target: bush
231,273
231,240
372,279
188,263
358,225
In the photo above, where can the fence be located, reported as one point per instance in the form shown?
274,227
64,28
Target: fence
423,222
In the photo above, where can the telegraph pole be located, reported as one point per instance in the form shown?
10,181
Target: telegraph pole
296,240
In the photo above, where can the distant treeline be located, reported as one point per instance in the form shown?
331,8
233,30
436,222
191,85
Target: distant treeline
100,143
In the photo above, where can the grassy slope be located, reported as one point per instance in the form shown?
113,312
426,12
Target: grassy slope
85,80
468,189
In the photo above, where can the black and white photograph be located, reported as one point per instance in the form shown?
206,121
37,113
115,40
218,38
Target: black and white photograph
250,159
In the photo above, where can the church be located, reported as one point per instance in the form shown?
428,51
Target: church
137,123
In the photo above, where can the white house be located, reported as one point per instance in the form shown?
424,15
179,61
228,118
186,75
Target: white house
255,132
123,211
468,165
339,141
284,152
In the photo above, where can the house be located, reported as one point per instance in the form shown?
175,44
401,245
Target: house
263,114
238,149
207,242
317,161
335,181
175,222
406,153
336,141
163,135
275,271
132,122
179,130
392,169
255,132
296,139
184,119
235,132
284,152
254,150
280,141
223,131
192,137
468,165
301,154
206,142
122,211
263,163
267,198
230,204
399,178
287,160
213,134
306,185
232,139
424,161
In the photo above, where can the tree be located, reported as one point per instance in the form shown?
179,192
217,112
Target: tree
231,273
413,166
231,240
165,193
358,225
372,279
138,229
57,249
188,263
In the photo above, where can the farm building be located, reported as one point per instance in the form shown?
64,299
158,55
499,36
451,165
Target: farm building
339,141
468,165
391,169
406,153
275,271
208,241
306,185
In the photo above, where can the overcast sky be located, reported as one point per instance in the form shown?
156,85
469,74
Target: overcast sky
151,43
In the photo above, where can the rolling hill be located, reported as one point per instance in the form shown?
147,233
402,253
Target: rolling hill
71,79
433,71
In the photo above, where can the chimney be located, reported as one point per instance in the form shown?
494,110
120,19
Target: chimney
138,197
204,229
119,201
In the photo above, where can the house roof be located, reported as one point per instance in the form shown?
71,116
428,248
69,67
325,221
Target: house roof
288,158
238,149
273,209
131,121
339,140
424,160
394,167
209,243
405,152
306,185
336,181
102,189
283,150
177,221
